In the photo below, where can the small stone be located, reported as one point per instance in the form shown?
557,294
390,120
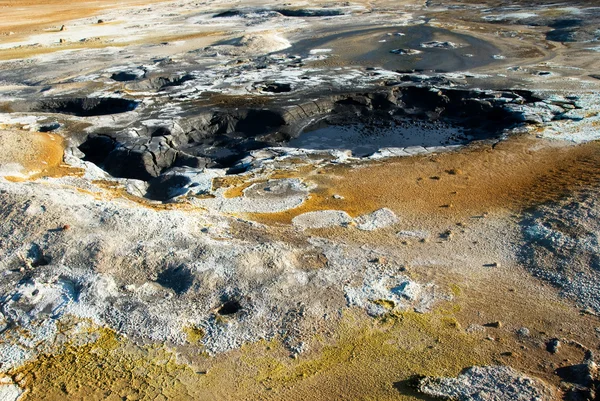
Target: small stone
493,264
448,234
475,328
553,345
62,41
523,332
63,28
336,196
381,218
495,325
454,171
101,21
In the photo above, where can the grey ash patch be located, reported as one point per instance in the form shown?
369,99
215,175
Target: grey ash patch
563,247
488,383
148,274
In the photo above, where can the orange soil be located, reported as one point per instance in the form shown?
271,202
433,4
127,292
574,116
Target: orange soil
37,154
512,175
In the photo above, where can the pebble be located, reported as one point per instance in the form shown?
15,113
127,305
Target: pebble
553,345
448,234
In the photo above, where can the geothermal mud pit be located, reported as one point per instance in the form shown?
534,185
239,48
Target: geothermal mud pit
383,200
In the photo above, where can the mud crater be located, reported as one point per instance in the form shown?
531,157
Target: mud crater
399,116
285,12
81,107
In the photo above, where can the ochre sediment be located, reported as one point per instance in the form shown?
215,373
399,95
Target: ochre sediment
511,175
34,154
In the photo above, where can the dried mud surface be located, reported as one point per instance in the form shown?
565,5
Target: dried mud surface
161,238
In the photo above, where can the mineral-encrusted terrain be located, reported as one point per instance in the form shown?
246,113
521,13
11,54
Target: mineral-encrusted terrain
363,200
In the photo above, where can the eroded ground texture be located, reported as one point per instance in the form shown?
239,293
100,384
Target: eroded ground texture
312,200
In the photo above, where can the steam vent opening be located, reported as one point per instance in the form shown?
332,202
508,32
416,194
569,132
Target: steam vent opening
230,307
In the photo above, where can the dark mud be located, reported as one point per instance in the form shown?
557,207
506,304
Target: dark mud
364,139
373,47
80,107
